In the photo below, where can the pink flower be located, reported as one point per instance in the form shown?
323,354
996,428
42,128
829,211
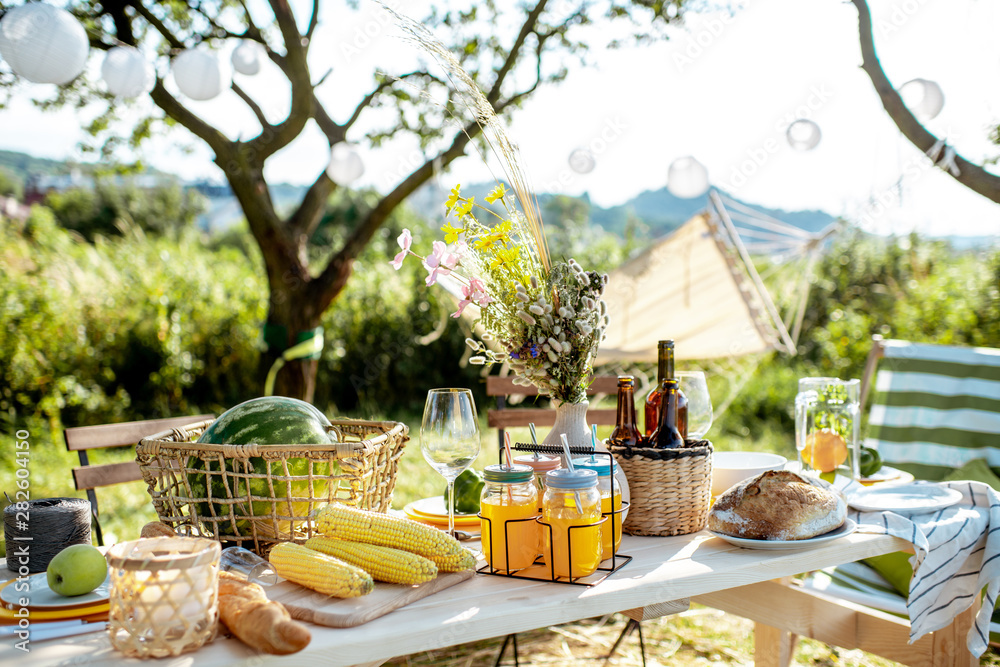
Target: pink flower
474,292
405,240
439,263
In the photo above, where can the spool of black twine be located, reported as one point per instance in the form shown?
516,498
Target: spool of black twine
35,531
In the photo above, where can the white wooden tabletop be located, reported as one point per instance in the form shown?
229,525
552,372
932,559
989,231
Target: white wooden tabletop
663,569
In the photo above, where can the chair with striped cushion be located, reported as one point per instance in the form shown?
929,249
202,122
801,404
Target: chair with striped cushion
935,408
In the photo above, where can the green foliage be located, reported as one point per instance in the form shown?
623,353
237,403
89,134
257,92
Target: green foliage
10,184
111,206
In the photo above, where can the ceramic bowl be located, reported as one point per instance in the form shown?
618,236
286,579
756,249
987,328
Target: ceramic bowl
731,468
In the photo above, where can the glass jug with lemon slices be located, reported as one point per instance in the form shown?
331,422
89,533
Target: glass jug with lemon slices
827,427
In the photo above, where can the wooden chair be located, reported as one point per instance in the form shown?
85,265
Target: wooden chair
934,408
503,417
88,477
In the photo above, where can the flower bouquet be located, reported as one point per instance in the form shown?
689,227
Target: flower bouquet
546,321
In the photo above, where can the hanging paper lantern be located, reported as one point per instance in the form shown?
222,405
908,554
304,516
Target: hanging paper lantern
803,135
43,44
127,73
247,57
345,164
582,161
924,98
199,74
687,178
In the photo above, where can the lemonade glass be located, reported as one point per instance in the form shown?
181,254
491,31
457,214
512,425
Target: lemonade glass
827,427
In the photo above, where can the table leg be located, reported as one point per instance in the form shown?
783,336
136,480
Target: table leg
772,647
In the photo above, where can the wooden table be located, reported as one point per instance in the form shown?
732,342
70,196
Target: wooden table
664,574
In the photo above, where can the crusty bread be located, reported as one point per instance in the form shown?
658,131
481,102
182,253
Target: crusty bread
258,622
777,505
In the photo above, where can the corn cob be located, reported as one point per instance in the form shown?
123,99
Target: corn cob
382,563
320,572
350,523
463,560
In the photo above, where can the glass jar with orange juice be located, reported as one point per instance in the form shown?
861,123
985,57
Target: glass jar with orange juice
611,500
541,464
507,509
571,522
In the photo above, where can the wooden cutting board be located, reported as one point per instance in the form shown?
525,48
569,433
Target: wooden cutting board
312,607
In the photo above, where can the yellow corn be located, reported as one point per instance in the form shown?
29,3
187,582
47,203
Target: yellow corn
463,560
320,572
394,566
350,523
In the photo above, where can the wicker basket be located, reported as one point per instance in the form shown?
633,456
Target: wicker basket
671,489
216,491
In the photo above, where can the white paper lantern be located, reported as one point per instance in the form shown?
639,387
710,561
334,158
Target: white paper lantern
247,57
127,73
582,161
200,74
924,98
803,135
43,44
345,164
687,178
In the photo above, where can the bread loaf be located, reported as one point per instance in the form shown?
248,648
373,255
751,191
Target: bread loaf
777,505
256,621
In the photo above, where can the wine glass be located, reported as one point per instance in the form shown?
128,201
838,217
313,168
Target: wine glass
695,388
449,437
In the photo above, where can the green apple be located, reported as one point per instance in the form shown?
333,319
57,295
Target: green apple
76,570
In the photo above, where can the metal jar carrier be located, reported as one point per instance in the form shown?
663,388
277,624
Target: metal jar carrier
256,496
671,489
543,569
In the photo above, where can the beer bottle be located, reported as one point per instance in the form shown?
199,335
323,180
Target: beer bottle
654,401
667,435
626,433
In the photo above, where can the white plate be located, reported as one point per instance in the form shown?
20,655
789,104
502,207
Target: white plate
887,474
40,596
904,498
847,528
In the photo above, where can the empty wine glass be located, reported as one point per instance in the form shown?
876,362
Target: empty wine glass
695,388
449,437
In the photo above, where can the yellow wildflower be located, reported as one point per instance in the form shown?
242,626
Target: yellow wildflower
498,193
498,234
502,255
465,208
453,199
451,233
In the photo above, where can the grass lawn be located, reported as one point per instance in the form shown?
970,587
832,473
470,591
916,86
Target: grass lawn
700,636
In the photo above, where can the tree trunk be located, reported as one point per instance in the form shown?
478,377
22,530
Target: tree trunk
293,313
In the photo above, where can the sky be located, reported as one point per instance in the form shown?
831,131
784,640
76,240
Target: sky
722,89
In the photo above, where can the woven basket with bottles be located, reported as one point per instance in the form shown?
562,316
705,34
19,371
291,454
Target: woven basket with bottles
256,496
671,489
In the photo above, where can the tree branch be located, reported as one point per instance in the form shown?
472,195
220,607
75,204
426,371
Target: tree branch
152,19
307,216
313,21
201,129
296,68
254,107
971,175
333,278
529,27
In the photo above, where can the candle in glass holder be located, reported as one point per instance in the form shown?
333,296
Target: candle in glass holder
164,595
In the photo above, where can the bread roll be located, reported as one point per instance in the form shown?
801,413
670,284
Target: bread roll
258,622
777,505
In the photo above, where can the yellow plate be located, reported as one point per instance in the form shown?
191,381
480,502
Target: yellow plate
431,510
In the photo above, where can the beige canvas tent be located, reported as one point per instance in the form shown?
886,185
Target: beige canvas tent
699,287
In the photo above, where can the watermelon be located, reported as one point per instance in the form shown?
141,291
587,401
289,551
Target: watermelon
270,420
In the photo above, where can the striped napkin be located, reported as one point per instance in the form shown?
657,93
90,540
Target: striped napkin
956,556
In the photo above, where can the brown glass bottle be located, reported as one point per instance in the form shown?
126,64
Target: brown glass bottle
667,434
665,371
626,433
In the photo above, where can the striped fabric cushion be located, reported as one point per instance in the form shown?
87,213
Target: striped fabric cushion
936,407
